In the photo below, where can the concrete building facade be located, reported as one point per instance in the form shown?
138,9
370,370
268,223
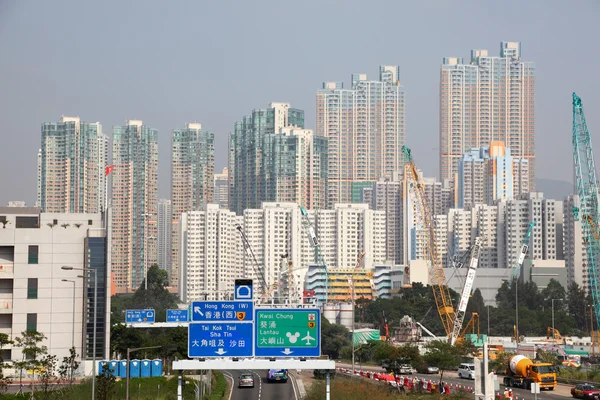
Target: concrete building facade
34,247
165,231
192,180
488,99
134,203
366,128
71,167
221,190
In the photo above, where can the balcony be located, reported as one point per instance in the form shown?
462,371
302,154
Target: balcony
6,306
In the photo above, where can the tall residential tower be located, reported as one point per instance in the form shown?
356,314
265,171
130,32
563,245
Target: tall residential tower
192,175
71,165
366,128
134,203
489,99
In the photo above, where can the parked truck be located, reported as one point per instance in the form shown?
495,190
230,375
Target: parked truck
522,372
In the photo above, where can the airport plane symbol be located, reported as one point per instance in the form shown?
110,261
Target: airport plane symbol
308,338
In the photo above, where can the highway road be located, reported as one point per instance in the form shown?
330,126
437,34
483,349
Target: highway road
559,393
261,390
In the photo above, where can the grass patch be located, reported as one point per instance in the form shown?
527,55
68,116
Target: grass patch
592,375
219,384
346,389
159,388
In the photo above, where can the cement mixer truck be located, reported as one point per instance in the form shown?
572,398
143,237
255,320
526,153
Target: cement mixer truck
522,372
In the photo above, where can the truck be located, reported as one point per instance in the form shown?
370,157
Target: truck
522,372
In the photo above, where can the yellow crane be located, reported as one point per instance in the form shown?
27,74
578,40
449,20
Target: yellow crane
441,293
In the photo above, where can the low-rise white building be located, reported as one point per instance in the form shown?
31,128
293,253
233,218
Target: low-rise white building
37,294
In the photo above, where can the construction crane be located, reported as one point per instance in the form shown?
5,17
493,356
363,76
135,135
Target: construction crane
352,278
314,242
587,189
258,271
441,293
466,292
516,272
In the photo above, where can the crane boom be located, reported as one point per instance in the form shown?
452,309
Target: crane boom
587,189
524,247
258,271
314,242
441,293
466,293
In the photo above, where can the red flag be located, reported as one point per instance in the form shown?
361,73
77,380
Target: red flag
109,169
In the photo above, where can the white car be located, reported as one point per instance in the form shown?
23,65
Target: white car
466,371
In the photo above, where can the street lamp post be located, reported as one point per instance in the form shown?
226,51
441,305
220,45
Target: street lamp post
351,281
68,268
553,331
127,367
73,325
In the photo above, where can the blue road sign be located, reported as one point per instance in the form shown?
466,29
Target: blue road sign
177,315
217,311
133,316
281,332
220,339
242,289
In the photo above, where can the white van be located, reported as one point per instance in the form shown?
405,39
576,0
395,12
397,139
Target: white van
466,371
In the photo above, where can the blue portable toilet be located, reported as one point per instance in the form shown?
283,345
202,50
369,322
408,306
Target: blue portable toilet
146,368
113,366
134,369
157,367
101,366
123,369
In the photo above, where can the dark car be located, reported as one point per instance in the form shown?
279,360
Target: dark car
585,391
246,380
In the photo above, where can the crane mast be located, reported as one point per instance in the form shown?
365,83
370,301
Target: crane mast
466,292
441,293
587,189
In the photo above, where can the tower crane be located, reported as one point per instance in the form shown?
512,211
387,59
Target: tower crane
314,242
466,292
258,271
587,189
441,293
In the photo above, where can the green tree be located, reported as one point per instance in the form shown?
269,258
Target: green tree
33,351
47,372
4,380
500,364
443,355
555,291
156,296
105,385
69,365
546,357
122,337
578,306
334,338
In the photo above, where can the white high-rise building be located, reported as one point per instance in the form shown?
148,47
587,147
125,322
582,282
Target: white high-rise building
221,195
214,254
366,128
574,245
165,224
211,254
386,196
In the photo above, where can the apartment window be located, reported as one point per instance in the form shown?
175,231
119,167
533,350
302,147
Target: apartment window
32,254
32,322
32,288
90,222
54,222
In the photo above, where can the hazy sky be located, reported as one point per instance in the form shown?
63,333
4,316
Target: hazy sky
173,62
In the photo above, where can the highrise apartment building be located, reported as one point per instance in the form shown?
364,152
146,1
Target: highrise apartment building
221,190
490,173
71,167
211,254
165,223
251,159
192,180
366,128
574,245
387,197
486,100
134,203
300,167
